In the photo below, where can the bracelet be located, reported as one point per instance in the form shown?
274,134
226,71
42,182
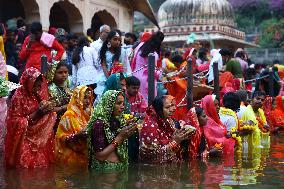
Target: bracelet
71,137
174,146
114,143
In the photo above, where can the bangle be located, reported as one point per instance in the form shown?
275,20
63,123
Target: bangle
114,143
174,146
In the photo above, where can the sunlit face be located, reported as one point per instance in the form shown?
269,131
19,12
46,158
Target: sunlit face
202,119
169,106
216,103
87,101
119,105
257,102
123,85
132,90
61,74
115,41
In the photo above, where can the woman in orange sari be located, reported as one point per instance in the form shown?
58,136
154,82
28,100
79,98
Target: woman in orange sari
30,121
274,112
71,136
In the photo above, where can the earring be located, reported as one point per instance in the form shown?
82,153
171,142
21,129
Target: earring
108,45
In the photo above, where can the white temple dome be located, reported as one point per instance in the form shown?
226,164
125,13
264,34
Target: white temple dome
195,12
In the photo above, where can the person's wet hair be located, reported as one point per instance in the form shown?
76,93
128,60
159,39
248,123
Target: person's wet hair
132,81
232,101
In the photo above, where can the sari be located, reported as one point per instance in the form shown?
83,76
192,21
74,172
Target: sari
197,142
155,137
257,139
61,97
74,120
178,90
214,131
29,144
102,129
275,116
3,99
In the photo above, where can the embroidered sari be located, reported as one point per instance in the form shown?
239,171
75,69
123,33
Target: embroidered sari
197,142
214,131
257,138
102,129
73,121
29,144
60,96
155,136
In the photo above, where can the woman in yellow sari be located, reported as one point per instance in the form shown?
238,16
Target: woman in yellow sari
71,135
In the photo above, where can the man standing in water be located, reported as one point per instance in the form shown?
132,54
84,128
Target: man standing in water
255,115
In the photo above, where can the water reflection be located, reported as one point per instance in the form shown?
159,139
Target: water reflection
262,169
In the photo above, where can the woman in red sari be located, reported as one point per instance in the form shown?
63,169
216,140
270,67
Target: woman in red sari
30,137
214,130
160,136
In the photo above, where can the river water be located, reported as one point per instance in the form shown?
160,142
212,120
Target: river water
263,170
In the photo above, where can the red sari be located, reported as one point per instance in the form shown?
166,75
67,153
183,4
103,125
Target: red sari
155,136
214,131
195,140
29,144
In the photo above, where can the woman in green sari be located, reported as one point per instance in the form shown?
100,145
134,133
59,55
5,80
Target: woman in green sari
108,133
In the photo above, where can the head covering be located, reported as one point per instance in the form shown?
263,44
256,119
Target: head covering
28,79
113,82
145,36
207,103
104,109
77,100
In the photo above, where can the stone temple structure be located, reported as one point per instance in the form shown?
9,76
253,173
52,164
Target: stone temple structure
210,20
76,15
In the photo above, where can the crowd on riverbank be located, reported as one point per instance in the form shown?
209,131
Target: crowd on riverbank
87,105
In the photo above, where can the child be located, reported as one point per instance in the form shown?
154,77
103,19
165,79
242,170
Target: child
59,94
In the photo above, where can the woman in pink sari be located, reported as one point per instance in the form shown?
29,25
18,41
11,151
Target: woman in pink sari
214,130
140,60
30,120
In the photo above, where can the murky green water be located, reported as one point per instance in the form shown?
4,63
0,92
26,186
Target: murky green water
265,170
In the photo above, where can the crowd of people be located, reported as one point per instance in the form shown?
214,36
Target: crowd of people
88,105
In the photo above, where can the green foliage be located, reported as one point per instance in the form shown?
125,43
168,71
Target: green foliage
272,33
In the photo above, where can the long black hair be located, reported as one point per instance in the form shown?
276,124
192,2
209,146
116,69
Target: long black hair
153,44
82,42
104,48
158,105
